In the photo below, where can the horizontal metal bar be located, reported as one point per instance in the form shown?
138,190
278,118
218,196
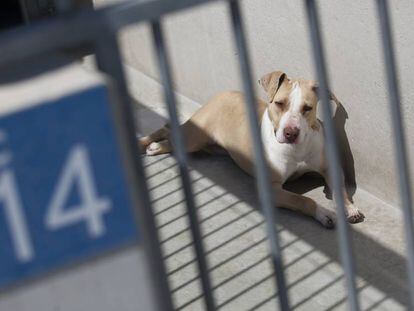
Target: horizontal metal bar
64,6
84,26
46,36
335,173
399,141
130,12
180,154
262,176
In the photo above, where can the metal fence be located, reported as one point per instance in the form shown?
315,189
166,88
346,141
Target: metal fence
99,28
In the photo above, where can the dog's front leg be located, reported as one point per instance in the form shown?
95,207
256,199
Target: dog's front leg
353,214
304,205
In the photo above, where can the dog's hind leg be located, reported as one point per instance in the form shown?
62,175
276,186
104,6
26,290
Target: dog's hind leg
195,137
158,147
159,142
158,135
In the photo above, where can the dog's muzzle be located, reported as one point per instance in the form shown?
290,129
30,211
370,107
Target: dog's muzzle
291,134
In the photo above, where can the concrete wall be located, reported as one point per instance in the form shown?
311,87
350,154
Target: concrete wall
204,60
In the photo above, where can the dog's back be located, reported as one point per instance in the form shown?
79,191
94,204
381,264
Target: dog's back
221,121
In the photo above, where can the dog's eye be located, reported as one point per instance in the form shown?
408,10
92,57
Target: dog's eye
279,104
307,108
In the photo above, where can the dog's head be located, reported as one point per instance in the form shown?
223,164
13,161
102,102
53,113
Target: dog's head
292,106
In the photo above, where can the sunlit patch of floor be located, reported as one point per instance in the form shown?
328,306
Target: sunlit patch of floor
236,247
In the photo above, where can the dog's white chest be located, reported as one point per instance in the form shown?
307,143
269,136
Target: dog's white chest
287,159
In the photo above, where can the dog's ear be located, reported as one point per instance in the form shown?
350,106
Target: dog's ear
315,88
271,82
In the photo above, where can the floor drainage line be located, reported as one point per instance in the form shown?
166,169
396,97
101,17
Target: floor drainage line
262,303
153,162
190,302
216,247
244,250
176,190
160,172
198,208
244,270
187,227
247,289
317,292
182,201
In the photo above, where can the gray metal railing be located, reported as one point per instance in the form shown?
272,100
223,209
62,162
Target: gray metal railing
331,146
181,157
101,27
400,146
264,188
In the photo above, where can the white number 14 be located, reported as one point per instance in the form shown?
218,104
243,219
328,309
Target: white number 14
77,170
77,173
14,217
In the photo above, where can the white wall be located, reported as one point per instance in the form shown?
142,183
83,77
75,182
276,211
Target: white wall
204,60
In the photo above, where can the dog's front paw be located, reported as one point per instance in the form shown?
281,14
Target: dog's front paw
325,216
354,215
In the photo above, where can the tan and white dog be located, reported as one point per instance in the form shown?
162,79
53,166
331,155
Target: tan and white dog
292,138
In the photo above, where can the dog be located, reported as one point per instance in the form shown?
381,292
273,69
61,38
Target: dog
292,138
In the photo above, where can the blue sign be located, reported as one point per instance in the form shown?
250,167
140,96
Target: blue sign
63,191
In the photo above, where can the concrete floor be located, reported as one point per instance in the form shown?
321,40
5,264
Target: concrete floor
236,244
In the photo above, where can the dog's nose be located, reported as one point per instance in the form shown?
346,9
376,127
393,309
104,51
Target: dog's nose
291,133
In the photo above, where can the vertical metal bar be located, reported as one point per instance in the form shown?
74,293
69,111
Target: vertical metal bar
23,10
109,61
64,6
400,146
335,174
181,157
262,176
